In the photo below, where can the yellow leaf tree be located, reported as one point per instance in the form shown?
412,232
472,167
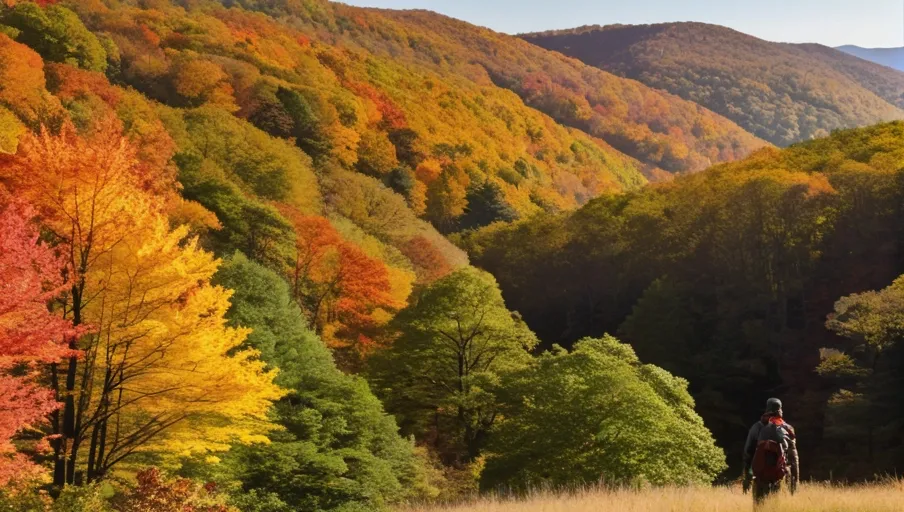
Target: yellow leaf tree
160,371
162,376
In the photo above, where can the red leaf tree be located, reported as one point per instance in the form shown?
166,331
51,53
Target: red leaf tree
30,276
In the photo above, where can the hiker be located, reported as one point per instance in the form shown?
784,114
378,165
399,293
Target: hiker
770,453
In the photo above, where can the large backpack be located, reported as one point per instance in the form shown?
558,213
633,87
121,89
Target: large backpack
769,464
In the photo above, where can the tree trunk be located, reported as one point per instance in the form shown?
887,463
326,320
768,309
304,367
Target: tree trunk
64,469
62,452
473,451
92,453
101,450
57,443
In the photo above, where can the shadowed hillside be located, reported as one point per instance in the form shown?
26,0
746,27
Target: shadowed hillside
727,278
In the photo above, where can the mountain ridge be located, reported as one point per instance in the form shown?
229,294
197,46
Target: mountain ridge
781,92
892,57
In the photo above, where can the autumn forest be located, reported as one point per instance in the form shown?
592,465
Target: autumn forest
293,255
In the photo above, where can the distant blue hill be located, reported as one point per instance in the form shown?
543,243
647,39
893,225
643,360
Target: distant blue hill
890,57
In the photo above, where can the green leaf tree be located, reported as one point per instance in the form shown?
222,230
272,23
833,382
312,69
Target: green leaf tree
598,414
307,126
339,450
486,205
442,372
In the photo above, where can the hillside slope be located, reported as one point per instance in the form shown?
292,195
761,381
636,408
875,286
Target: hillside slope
783,93
889,57
449,117
659,129
332,143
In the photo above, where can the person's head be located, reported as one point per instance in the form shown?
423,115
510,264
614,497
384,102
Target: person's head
774,407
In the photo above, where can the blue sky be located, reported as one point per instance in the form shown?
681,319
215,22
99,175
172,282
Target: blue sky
869,23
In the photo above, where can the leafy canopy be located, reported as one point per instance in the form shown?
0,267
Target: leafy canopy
56,33
162,375
598,414
454,342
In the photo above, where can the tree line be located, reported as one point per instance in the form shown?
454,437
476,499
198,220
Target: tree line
730,279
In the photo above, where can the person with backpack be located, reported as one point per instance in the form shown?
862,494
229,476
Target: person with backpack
770,454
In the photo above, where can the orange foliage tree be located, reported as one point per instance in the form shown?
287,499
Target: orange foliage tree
78,87
339,286
199,81
447,198
155,492
22,76
429,262
391,116
82,189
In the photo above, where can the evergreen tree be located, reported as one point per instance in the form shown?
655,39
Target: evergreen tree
486,205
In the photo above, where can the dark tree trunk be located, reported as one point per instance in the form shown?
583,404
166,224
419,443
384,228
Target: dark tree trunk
64,470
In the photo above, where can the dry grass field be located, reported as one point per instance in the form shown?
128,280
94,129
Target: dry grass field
811,498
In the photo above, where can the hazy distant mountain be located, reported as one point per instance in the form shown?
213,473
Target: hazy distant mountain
783,93
891,57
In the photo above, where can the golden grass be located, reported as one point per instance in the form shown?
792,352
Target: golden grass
811,498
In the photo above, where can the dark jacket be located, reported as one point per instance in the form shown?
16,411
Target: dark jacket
784,435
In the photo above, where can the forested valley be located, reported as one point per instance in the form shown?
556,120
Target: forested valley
292,255
775,275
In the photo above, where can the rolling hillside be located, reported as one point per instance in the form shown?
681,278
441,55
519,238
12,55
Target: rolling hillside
469,126
331,146
356,79
659,129
240,187
783,93
279,126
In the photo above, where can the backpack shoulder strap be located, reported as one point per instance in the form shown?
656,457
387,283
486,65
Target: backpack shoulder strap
791,433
